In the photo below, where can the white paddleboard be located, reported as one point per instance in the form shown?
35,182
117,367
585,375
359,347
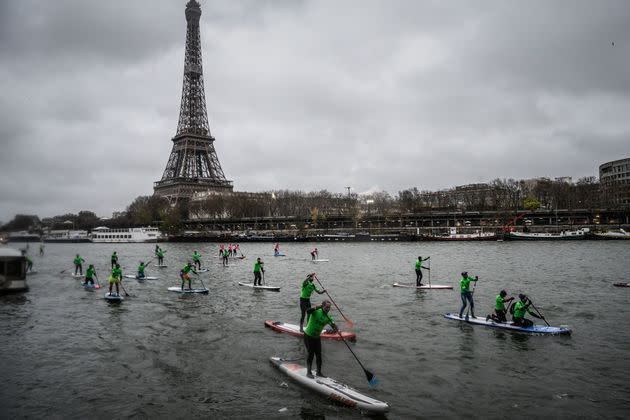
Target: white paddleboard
320,260
113,297
178,289
161,266
202,270
330,388
131,276
77,276
270,288
424,286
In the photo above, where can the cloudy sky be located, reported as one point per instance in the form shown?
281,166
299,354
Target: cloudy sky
309,95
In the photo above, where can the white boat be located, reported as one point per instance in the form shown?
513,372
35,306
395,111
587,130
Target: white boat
12,271
453,235
23,236
610,234
104,234
565,235
65,235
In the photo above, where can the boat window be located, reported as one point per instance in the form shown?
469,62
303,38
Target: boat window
2,269
14,268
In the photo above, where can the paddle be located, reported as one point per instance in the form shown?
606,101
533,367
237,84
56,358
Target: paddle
263,277
536,309
200,279
97,282
369,375
348,321
123,287
429,273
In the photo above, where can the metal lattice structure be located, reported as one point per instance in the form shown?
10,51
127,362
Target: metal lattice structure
193,165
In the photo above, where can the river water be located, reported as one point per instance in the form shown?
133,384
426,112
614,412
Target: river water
67,353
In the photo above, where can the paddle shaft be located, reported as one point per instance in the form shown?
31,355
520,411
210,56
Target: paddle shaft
541,315
429,272
369,375
331,299
200,279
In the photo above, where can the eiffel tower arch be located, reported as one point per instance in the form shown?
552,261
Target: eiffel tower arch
193,166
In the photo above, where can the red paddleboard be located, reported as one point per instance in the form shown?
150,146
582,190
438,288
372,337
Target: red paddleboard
294,330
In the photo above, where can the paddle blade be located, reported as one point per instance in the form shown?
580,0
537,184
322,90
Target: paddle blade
371,378
349,323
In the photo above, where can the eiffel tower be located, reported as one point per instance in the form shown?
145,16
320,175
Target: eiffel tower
193,165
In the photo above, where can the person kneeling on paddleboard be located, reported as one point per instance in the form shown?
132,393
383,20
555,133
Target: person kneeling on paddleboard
419,268
258,269
141,268
89,275
464,285
499,307
308,287
183,274
115,278
318,319
520,309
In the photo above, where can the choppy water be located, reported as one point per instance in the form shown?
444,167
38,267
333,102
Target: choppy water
67,353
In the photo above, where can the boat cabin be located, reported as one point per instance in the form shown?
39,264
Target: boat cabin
12,271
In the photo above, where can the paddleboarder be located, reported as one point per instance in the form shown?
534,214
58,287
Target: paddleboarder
114,260
314,254
157,249
185,276
258,269
160,256
226,255
466,294
115,278
78,267
41,249
29,262
221,248
520,309
318,318
141,268
308,287
276,249
419,268
196,260
89,275
499,307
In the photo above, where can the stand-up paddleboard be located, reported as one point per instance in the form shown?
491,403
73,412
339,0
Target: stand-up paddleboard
279,255
113,297
294,330
178,289
534,329
131,276
424,286
90,286
270,288
320,260
328,387
31,272
162,266
202,270
77,276
622,284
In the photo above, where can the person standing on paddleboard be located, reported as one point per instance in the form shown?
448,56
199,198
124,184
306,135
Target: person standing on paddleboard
89,275
41,249
160,256
318,318
258,269
114,260
78,267
499,307
419,268
29,262
466,294
314,254
226,255
276,249
185,276
196,256
308,287
115,278
141,268
520,309
221,247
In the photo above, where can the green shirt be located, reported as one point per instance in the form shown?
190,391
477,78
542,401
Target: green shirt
160,253
91,272
418,265
308,287
141,268
316,322
500,305
78,260
117,273
520,309
464,283
258,266
196,256
187,268
114,257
